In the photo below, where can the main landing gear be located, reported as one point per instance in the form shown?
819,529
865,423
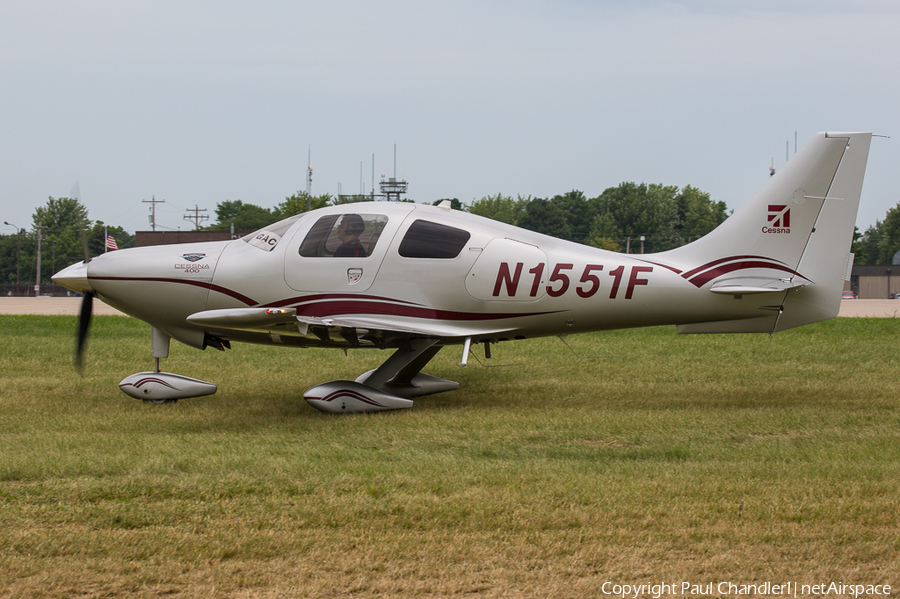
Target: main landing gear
388,387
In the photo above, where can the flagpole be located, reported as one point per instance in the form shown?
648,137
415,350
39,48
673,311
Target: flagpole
105,239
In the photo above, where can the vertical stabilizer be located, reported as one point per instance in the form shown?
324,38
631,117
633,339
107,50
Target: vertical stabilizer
826,259
793,237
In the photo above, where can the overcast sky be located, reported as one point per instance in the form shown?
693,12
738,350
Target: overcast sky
200,102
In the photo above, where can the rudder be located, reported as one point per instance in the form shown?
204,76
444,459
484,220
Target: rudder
826,258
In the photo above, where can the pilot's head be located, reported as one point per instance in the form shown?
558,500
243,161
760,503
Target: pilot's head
351,224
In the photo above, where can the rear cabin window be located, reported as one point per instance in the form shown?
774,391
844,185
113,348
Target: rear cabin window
343,236
426,239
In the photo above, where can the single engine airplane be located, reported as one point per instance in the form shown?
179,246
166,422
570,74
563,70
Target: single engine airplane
416,278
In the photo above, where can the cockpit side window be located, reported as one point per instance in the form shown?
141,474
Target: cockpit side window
343,236
426,239
268,237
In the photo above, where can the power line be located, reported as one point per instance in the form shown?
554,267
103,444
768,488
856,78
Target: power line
153,204
197,217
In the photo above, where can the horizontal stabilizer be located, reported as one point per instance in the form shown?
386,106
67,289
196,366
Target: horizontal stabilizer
753,285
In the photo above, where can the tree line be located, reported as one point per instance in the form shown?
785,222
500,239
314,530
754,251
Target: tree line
64,229
879,242
665,216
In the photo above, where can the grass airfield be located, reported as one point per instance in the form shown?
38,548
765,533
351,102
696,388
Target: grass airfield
658,458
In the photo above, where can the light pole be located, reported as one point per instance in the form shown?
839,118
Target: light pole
37,279
18,241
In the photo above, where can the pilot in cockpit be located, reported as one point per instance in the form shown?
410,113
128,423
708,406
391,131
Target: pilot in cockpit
349,230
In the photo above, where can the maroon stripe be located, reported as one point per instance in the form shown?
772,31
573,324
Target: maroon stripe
143,382
691,273
209,286
331,296
701,280
351,394
666,266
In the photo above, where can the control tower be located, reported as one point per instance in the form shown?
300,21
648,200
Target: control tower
391,188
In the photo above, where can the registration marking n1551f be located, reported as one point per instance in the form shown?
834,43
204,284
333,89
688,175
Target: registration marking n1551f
560,281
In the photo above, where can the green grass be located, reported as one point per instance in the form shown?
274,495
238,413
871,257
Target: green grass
659,458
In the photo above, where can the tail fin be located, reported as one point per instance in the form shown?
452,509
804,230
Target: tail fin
796,230
826,259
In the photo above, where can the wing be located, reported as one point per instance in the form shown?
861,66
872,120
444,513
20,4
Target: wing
285,321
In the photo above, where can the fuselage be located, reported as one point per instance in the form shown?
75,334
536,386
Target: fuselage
463,275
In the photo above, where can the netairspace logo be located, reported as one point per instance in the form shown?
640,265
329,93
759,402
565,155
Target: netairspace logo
786,589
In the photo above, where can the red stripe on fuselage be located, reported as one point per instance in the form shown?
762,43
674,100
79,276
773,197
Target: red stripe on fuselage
217,288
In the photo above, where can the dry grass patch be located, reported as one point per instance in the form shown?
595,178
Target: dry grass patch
665,458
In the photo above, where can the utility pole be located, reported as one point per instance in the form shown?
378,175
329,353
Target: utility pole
37,278
197,217
153,203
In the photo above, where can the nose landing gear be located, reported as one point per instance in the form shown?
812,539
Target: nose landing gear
163,387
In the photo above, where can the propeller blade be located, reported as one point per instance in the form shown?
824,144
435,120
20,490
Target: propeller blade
84,246
84,323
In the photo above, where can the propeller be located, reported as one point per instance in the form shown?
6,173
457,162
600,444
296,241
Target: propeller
84,324
84,317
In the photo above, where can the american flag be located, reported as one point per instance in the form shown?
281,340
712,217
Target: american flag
111,243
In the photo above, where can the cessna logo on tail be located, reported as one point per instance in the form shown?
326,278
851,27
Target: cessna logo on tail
779,219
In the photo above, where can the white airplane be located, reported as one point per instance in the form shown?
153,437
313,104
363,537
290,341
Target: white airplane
414,278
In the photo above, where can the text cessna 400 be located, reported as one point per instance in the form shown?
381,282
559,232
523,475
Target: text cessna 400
415,279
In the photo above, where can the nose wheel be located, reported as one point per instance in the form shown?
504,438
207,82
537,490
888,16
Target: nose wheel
163,387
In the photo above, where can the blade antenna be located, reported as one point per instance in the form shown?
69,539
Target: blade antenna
580,357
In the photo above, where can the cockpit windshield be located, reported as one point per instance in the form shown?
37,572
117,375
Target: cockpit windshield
268,237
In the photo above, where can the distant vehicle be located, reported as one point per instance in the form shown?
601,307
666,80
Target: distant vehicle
848,295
